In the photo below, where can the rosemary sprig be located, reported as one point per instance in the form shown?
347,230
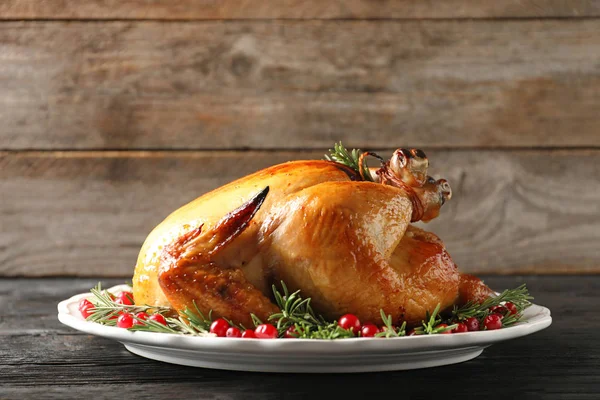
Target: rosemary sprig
389,330
296,312
328,331
342,156
430,325
106,312
519,297
153,326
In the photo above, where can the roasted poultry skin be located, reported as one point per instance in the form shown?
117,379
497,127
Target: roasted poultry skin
318,226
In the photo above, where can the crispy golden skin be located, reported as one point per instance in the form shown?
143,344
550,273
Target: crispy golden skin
347,244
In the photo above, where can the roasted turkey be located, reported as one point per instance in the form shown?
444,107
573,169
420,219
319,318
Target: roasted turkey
318,226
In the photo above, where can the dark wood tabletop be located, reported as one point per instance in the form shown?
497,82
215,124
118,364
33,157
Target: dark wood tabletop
41,358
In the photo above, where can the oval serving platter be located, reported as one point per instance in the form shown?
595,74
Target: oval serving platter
304,355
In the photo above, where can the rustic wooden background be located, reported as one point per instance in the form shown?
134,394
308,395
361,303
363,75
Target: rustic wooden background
115,112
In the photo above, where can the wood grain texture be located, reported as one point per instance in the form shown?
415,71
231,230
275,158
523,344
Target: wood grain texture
299,85
557,363
29,306
87,213
293,9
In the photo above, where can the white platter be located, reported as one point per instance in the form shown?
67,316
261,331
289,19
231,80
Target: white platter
305,355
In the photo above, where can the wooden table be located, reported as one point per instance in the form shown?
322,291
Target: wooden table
41,358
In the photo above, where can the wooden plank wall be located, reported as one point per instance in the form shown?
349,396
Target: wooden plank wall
114,113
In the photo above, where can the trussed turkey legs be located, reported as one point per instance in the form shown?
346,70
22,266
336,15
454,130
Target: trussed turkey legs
407,169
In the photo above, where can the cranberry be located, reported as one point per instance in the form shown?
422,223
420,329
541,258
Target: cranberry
248,334
124,298
369,330
443,326
492,321
350,321
472,324
265,331
219,327
460,328
125,320
86,308
511,307
233,332
157,318
291,333
500,310
139,317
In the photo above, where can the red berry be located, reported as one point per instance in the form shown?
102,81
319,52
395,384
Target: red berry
265,331
125,298
472,324
460,328
511,307
291,333
369,330
350,321
492,321
86,308
219,327
125,320
248,334
139,317
443,326
500,310
158,318
233,332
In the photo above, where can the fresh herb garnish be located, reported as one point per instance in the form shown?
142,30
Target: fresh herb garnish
431,324
354,159
519,297
389,330
296,312
106,312
297,315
